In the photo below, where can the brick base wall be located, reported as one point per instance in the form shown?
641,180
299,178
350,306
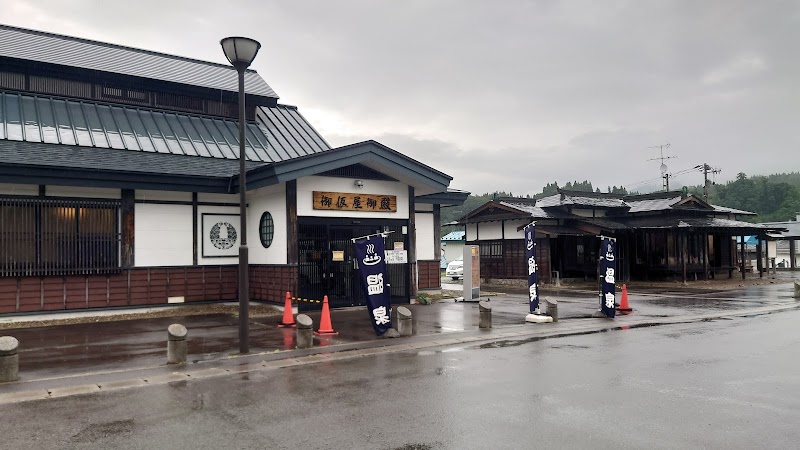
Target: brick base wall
142,286
270,283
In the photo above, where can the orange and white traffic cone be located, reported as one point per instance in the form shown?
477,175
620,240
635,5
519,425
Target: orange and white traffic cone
623,307
288,317
325,327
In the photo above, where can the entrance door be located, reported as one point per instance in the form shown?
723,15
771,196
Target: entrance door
327,265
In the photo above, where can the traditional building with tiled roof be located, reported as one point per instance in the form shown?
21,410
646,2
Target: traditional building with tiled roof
663,234
119,185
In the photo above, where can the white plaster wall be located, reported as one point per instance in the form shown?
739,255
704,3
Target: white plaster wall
221,198
141,194
471,229
426,239
72,191
511,229
490,231
307,185
583,212
270,199
423,207
19,189
163,235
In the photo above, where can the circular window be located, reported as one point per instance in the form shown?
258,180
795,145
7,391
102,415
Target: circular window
266,229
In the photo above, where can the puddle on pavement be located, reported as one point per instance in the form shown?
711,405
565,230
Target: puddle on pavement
436,352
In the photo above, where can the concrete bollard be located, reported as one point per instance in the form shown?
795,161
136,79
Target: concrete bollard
305,331
797,289
177,348
485,314
9,359
552,308
404,321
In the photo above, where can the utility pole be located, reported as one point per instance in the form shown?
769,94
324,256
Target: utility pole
706,169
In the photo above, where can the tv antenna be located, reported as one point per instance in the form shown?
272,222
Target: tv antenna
664,174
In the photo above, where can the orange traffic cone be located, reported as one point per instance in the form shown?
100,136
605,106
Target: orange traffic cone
288,318
325,328
623,307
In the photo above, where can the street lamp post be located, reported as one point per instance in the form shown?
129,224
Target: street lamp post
241,52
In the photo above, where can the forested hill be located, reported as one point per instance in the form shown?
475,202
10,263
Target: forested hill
775,198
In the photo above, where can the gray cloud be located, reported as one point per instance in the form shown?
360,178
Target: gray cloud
504,95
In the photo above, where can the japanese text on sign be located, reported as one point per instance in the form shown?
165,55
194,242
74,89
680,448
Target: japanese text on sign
345,201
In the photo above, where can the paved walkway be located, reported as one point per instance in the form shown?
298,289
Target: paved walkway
60,359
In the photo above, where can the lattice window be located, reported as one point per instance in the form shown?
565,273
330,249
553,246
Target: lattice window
491,250
40,236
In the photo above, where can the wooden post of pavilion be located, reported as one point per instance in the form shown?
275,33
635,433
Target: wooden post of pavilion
759,257
705,255
684,253
743,256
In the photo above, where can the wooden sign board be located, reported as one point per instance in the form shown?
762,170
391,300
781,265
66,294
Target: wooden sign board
346,201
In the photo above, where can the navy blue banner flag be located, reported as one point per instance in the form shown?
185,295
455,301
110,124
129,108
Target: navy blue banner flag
533,269
608,274
371,259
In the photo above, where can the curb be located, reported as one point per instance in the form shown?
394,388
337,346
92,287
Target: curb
49,388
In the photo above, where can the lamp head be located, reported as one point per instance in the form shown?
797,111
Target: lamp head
240,51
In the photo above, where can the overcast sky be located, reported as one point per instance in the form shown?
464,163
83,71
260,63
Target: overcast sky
503,95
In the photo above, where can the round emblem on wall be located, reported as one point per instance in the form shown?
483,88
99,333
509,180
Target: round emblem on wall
223,235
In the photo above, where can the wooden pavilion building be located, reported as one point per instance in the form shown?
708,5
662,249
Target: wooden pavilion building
664,235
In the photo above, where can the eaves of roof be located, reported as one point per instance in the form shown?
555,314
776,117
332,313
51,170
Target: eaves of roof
452,197
368,153
69,165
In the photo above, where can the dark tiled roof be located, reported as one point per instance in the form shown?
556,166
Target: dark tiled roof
69,51
724,209
292,135
534,210
34,118
68,157
694,222
602,223
597,202
792,227
589,200
655,204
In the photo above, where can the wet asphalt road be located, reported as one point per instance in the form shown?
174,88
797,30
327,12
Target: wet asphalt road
720,384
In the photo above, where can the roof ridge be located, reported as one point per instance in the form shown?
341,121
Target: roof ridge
653,196
591,194
118,46
519,200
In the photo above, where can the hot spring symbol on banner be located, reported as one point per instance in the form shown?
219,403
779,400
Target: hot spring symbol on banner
371,257
608,269
533,276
